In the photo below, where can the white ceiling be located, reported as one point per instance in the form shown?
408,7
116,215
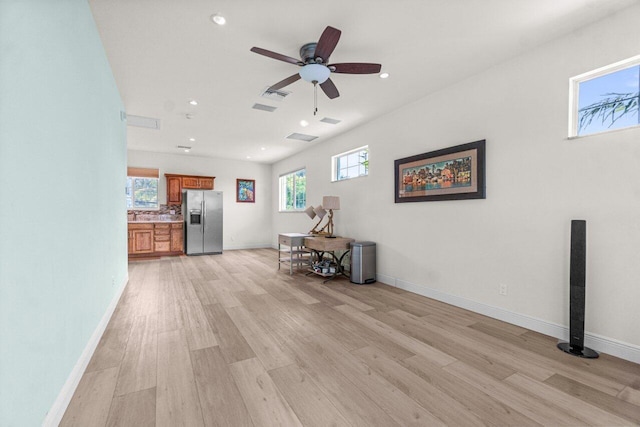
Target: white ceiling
166,52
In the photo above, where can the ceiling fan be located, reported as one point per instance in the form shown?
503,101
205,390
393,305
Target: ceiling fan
315,67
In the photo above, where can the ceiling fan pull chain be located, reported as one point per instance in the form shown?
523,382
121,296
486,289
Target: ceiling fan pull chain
315,97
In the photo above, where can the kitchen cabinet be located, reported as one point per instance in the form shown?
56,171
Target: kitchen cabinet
141,238
162,237
177,183
150,239
177,237
174,190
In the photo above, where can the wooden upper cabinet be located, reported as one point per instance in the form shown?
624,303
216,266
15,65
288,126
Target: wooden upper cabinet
190,182
176,183
205,183
174,190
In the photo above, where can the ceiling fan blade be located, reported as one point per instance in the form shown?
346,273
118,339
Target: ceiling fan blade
327,43
355,68
286,82
277,56
330,89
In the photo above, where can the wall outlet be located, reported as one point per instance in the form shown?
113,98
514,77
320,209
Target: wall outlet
503,289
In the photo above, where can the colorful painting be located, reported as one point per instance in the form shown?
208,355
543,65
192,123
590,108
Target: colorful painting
245,190
452,173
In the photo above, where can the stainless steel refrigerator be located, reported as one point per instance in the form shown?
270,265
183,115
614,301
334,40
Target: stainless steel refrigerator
203,221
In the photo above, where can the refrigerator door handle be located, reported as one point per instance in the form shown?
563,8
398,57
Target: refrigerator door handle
204,215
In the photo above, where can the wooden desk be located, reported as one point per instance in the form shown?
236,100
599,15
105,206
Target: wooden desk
321,245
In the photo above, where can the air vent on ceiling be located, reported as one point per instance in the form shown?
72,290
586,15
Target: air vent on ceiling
302,137
263,107
331,121
143,122
275,95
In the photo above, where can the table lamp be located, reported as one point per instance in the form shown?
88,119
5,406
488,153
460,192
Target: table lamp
330,203
312,213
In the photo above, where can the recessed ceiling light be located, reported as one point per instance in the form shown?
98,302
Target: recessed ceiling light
263,148
186,150
192,139
218,19
193,102
304,123
384,75
248,157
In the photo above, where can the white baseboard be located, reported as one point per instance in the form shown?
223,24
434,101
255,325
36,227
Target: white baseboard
596,342
55,414
250,246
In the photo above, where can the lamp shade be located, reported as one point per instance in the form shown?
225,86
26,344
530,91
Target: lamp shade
331,202
314,73
309,211
320,211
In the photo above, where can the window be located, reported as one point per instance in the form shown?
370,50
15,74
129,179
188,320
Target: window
605,99
142,188
293,191
351,164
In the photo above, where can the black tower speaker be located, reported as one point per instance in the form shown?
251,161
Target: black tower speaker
577,281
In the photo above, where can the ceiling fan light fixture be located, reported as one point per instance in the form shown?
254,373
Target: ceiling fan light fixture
218,19
384,75
315,73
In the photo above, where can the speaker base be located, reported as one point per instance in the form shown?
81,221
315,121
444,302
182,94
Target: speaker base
584,352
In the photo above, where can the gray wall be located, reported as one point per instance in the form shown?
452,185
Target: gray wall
63,248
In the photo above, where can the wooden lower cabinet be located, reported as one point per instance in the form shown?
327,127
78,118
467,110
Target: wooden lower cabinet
177,238
140,238
155,239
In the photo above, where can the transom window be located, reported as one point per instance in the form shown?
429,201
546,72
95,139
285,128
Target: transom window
142,188
293,191
605,99
351,164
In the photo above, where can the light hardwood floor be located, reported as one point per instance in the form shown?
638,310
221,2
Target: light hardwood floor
228,340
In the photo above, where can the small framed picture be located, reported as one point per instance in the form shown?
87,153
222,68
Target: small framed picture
245,190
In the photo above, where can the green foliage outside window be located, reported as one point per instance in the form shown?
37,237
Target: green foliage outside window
293,191
142,193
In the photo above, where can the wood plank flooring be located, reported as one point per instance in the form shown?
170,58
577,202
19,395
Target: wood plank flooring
228,340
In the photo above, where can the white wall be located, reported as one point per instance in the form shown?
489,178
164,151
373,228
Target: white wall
537,182
63,246
245,225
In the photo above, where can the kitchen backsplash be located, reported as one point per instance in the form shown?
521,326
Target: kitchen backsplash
164,211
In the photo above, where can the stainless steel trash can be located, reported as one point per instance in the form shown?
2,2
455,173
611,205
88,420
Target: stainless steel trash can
363,262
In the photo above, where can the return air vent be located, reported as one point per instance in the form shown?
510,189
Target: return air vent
302,137
143,122
263,107
275,95
331,121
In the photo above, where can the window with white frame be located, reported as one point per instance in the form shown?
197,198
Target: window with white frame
350,164
605,99
142,188
142,193
293,191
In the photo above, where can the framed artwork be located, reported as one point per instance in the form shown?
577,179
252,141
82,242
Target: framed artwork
454,173
245,190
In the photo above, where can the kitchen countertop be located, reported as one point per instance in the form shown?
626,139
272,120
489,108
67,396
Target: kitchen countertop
149,221
153,218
